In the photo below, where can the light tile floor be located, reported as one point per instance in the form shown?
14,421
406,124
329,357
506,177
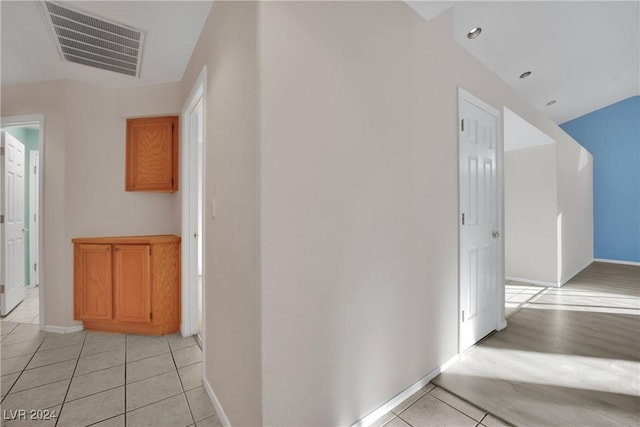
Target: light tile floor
433,406
102,379
28,310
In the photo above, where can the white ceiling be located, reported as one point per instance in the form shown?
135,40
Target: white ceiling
584,54
172,29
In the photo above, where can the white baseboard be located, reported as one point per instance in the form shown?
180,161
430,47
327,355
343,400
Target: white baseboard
559,284
63,329
615,261
533,282
571,276
501,325
375,415
216,403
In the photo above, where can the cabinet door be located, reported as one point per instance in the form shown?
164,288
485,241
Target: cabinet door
152,154
132,283
92,282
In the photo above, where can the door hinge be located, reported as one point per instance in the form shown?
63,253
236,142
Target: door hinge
462,125
462,219
1,289
1,219
34,169
1,151
35,267
463,315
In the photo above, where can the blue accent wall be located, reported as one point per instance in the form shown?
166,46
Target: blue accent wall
612,136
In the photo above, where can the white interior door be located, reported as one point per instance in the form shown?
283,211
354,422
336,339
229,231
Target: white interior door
34,203
479,231
193,227
13,226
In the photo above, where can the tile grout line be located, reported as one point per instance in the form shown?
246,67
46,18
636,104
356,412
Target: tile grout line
106,419
451,406
525,304
22,371
181,384
40,385
412,403
48,364
70,381
153,403
92,394
486,413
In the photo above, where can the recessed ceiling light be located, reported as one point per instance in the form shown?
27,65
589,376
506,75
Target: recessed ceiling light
474,32
553,101
525,74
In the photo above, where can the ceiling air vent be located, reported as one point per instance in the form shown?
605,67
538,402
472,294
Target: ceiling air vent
93,41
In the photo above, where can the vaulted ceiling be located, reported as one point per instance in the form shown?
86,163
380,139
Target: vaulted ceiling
582,54
29,53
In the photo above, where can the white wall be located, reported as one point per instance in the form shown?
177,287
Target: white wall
359,202
548,212
359,208
575,209
228,46
530,205
84,152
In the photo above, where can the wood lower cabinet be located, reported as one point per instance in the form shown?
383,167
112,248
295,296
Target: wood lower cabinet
128,284
132,283
93,282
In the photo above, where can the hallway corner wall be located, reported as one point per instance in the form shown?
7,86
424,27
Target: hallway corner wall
612,135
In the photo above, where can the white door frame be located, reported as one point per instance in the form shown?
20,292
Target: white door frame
34,219
501,323
40,120
189,180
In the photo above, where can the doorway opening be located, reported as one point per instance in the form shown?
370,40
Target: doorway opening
193,269
530,199
21,257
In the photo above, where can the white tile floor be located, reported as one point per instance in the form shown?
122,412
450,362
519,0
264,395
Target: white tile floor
102,379
28,310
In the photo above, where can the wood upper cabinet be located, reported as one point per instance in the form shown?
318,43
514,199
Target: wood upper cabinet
128,284
152,154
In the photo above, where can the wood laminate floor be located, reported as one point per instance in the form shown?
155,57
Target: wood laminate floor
569,357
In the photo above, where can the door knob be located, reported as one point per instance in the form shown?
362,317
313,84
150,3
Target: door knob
495,234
